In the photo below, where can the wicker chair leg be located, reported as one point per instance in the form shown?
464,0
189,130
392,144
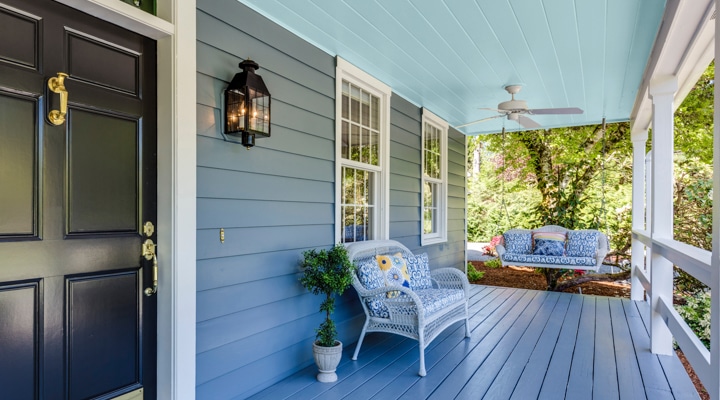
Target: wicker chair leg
360,340
421,345
467,322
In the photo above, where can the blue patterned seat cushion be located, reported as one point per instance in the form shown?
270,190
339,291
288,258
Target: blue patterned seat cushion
582,243
518,243
419,270
369,274
552,260
432,301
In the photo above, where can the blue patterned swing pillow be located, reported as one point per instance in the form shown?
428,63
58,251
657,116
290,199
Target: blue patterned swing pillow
518,243
549,243
582,243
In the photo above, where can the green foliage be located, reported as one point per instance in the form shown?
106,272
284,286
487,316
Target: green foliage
693,174
696,312
493,263
473,274
327,272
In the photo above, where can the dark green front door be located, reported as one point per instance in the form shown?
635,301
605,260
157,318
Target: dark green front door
74,322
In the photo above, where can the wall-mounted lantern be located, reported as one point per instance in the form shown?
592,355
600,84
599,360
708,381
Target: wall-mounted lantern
247,106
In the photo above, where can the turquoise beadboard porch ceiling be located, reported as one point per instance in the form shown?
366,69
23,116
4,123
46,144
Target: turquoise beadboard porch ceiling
456,56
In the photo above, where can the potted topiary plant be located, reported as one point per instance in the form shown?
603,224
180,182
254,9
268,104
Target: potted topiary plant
327,272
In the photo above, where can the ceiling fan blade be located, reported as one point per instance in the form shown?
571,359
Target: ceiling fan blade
526,122
478,121
569,110
490,109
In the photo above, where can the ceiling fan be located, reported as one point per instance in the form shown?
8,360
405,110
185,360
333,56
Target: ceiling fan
516,110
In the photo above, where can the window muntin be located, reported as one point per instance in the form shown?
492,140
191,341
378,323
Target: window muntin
362,153
434,179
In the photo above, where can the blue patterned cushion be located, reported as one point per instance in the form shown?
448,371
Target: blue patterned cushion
419,270
369,275
376,306
518,243
549,247
434,300
582,243
551,260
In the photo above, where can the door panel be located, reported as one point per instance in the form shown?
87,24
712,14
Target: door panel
20,361
74,322
19,37
18,135
94,61
103,333
103,173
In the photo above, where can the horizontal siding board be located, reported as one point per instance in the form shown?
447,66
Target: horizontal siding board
455,168
246,380
409,199
229,328
220,183
221,65
215,153
404,106
456,202
456,191
457,180
404,229
279,38
234,213
400,182
404,152
226,271
404,123
217,362
240,241
215,303
405,138
404,214
405,168
231,40
209,91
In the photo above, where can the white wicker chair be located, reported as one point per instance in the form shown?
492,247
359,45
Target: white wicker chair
407,316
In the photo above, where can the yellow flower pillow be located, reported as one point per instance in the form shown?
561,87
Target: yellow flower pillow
394,270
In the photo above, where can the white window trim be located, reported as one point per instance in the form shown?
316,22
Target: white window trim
441,235
348,72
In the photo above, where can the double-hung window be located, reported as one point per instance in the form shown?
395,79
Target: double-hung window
434,179
362,154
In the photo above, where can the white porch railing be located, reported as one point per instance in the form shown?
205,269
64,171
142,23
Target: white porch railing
696,262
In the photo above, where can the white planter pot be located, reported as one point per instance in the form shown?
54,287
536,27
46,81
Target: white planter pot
327,360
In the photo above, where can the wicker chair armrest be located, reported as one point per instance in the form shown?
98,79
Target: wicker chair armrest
450,278
500,249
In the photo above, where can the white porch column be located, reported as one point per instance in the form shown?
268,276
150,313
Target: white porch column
662,92
637,260
713,387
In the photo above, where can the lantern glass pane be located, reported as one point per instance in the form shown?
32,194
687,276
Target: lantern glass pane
235,111
259,113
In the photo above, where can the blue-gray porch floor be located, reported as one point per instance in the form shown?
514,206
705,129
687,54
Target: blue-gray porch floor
525,344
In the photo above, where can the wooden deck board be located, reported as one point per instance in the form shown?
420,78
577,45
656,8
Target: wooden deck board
605,377
629,378
525,344
580,383
533,374
558,373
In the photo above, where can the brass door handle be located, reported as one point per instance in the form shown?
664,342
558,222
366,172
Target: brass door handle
148,251
57,85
